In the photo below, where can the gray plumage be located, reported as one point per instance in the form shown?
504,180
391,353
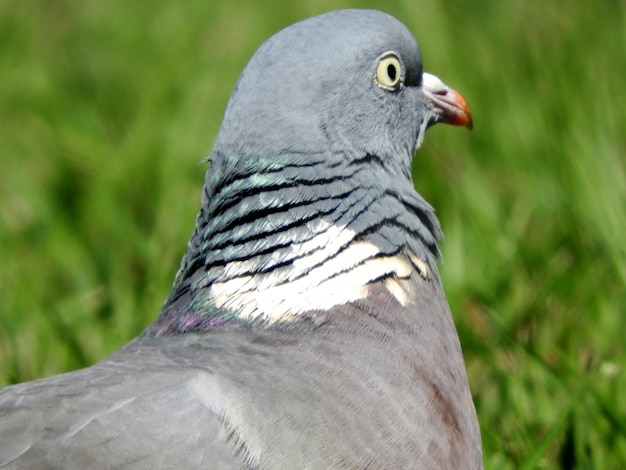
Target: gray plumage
307,327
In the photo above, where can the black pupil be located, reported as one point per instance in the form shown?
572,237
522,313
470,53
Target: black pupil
391,71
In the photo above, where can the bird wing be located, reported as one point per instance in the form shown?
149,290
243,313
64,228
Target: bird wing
121,412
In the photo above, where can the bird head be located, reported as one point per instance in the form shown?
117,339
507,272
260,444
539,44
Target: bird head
348,81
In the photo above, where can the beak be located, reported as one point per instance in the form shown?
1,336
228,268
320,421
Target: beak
450,106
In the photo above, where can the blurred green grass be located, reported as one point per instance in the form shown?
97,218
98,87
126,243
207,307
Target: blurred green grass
107,108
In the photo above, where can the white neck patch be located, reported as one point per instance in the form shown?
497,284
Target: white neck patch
329,270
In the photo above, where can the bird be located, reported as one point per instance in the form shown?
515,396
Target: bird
307,326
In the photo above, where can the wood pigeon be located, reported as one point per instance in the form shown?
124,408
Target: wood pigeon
307,326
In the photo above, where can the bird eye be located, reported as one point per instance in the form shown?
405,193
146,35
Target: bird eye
389,71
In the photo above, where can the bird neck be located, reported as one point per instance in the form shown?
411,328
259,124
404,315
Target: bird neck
278,238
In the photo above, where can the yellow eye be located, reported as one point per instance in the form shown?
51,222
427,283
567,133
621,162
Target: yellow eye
389,71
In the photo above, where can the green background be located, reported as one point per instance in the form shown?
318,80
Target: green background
107,108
